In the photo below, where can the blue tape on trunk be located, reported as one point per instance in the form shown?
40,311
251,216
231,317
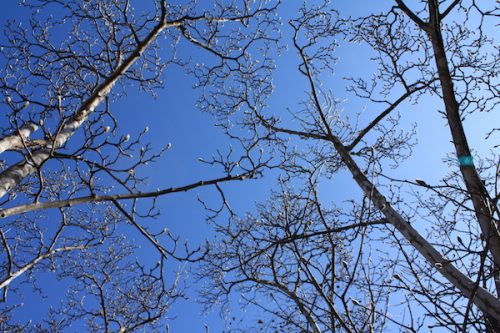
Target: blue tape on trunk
465,161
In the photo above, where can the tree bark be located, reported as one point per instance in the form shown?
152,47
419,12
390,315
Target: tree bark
484,300
478,193
16,173
15,140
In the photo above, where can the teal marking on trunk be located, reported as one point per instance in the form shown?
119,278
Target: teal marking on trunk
465,161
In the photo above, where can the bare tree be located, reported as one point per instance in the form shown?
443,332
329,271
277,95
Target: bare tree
435,253
305,266
112,294
67,166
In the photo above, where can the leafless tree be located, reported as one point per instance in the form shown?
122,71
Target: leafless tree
110,296
71,178
404,254
304,265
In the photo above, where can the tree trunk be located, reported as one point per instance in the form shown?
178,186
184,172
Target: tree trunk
479,196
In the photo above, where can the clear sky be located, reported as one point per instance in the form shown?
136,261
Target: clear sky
173,118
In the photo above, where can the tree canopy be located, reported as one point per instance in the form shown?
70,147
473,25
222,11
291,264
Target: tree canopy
384,208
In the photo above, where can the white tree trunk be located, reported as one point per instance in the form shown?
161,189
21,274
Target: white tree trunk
15,140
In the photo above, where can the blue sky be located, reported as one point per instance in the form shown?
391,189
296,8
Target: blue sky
173,118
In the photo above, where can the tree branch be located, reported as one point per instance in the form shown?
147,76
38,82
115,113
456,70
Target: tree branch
126,196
